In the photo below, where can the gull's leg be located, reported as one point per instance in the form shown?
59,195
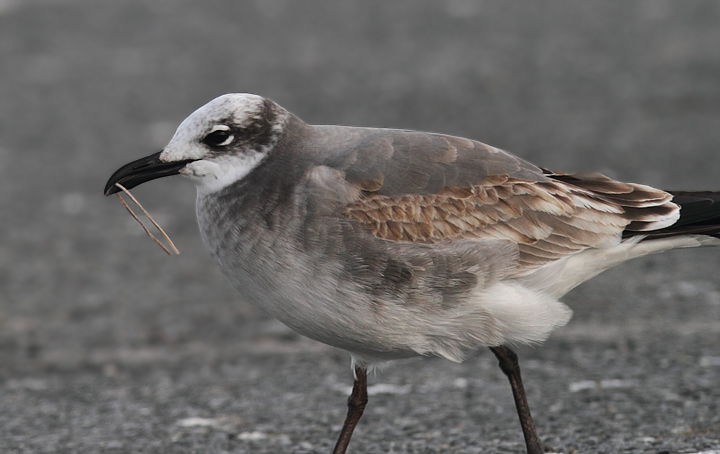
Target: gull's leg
356,404
510,367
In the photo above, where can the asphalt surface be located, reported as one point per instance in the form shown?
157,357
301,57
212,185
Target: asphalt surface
108,345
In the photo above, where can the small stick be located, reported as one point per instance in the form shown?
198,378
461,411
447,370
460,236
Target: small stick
141,224
172,245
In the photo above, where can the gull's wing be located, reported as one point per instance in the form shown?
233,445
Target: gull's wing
420,187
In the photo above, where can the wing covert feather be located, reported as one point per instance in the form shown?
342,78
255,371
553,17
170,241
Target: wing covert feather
397,163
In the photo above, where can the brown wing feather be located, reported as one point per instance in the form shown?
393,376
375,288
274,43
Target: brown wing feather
548,220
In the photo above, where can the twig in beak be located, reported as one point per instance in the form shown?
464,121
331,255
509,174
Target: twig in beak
149,217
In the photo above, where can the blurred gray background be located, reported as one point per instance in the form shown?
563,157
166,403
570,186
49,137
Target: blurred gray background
108,345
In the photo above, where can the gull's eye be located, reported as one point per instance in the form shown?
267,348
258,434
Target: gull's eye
219,138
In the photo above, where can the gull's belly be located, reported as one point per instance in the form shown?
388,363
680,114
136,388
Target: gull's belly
322,307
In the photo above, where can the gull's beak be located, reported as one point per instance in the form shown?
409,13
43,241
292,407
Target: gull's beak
142,170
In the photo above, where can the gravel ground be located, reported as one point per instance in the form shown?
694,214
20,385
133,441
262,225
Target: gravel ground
107,345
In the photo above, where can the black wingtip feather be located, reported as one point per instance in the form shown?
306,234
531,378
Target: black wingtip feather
699,215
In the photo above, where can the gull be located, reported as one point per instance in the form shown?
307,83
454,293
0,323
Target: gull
393,243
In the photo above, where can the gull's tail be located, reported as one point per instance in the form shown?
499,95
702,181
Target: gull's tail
659,221
653,213
699,215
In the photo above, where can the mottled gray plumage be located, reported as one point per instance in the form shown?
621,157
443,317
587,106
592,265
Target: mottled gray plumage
391,243
285,238
281,236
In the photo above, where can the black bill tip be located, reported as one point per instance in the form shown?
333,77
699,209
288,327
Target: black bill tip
143,170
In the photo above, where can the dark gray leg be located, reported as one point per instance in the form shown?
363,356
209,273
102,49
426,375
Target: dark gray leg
356,405
510,367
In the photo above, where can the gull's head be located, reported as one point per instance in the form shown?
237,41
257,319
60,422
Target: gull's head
225,139
217,145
